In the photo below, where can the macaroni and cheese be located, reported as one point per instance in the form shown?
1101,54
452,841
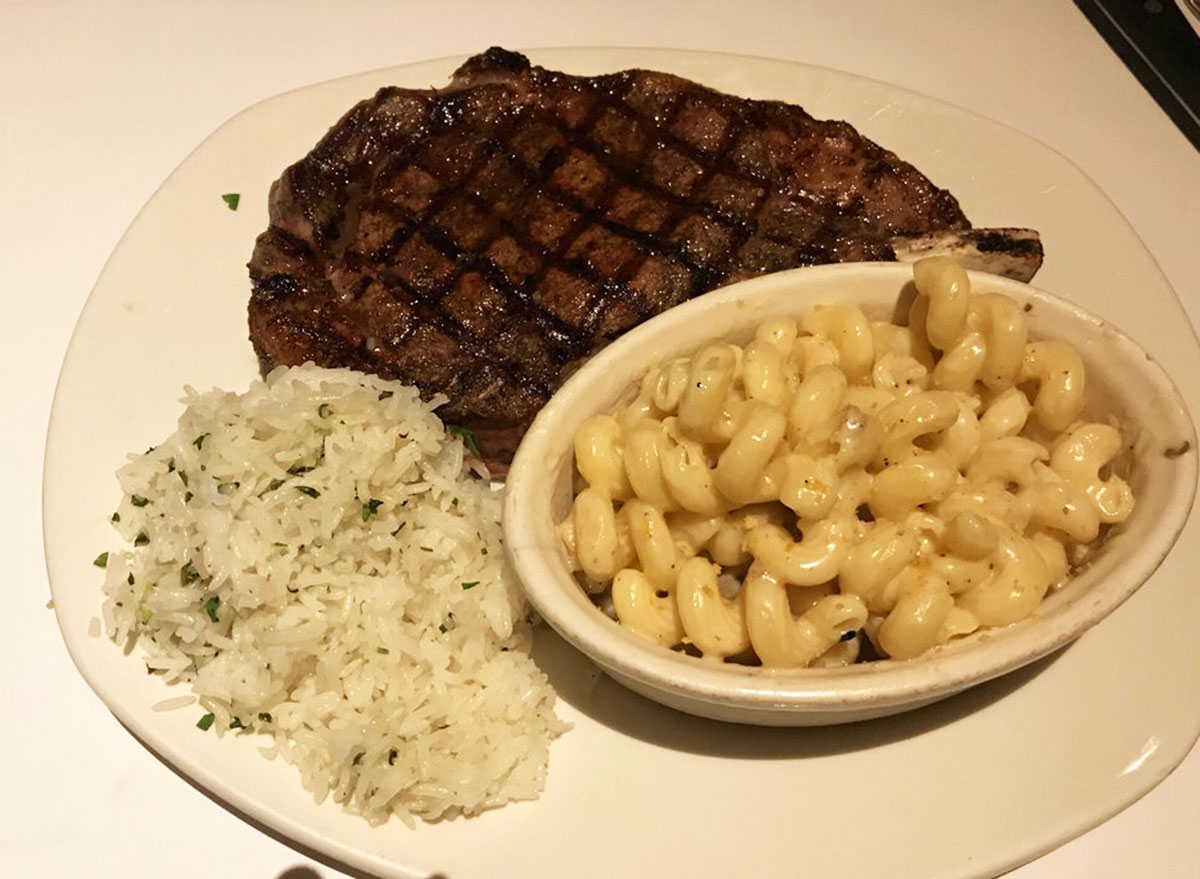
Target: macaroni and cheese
840,489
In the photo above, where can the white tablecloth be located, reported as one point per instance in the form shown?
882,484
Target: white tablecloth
99,101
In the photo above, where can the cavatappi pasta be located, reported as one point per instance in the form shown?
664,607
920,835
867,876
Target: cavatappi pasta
841,488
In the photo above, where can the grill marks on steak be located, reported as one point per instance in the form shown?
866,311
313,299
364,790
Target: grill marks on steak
481,240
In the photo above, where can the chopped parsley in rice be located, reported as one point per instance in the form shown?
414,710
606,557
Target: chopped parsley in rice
316,560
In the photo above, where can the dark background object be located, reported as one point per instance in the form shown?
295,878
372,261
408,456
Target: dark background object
1159,47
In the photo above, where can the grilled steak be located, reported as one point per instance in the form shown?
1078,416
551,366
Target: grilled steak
480,241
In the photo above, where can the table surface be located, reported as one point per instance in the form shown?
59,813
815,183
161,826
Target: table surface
101,101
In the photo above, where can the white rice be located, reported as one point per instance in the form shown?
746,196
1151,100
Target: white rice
173,703
365,616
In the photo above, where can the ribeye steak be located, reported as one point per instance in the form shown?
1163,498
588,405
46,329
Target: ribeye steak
480,240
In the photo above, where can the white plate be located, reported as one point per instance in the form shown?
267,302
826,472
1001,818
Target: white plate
968,787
